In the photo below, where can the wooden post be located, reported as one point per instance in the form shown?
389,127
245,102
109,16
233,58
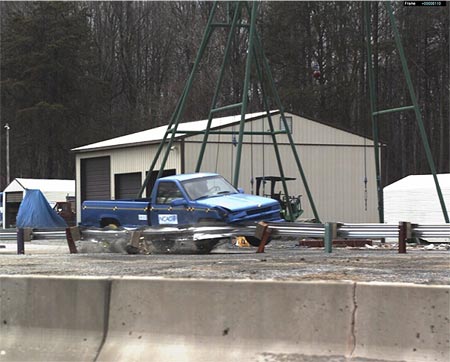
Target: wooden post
27,234
404,233
73,235
133,246
20,241
262,232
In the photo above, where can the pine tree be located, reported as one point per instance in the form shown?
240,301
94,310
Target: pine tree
48,91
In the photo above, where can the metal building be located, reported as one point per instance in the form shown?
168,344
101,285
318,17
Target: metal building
414,199
335,162
54,190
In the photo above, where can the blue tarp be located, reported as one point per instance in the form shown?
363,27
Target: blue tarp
35,212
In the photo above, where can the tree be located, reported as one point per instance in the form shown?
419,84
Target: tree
48,92
332,35
76,73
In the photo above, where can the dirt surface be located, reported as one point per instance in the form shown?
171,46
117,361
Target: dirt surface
282,260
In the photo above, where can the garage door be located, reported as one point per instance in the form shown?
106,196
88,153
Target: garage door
13,200
95,178
127,185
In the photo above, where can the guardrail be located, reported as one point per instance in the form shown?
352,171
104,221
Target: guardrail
35,234
329,231
8,235
357,231
431,231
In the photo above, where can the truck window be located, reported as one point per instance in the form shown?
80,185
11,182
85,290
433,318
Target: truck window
208,186
167,192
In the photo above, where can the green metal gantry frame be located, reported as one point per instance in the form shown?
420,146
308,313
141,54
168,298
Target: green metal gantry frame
255,59
415,106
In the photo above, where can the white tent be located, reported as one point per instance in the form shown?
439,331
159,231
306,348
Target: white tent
414,199
53,189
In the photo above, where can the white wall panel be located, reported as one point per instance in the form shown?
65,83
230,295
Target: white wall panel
334,173
333,161
126,160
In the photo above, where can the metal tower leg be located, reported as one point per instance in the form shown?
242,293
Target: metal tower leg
291,140
236,16
254,49
272,131
373,95
248,66
415,106
413,97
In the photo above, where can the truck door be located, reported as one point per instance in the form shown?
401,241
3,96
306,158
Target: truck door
163,212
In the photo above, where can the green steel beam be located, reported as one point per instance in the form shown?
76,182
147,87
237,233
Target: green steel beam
205,40
254,45
160,147
236,16
251,39
286,126
272,130
373,97
329,235
226,108
248,133
392,110
226,25
417,110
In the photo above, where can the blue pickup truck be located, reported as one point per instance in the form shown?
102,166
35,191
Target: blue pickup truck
181,200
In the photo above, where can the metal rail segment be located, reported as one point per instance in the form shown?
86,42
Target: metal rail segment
281,229
415,106
239,14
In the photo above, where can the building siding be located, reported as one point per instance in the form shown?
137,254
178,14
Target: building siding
127,160
333,162
335,176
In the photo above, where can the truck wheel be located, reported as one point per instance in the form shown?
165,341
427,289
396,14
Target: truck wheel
255,241
109,223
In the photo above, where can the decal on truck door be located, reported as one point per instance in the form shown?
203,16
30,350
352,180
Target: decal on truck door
168,219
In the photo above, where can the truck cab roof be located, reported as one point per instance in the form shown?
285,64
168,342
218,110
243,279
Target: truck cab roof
188,176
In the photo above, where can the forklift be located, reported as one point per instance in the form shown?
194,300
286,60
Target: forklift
283,199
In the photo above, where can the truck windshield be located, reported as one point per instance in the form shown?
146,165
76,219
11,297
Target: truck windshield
208,186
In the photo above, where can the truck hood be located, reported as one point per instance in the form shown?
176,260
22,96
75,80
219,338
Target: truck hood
238,202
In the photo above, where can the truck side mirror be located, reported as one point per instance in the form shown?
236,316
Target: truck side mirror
178,202
240,190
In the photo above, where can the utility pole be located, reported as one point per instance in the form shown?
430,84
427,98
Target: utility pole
7,153
1,169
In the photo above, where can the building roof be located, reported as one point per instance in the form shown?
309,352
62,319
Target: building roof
53,185
420,182
414,199
155,135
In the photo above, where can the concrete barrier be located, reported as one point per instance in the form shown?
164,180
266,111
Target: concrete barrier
200,320
402,322
153,319
52,319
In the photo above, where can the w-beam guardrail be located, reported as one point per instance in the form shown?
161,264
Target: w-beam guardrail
328,231
35,234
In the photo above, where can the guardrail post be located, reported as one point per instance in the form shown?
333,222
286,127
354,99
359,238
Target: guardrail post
27,234
72,235
133,246
262,232
330,234
20,241
404,233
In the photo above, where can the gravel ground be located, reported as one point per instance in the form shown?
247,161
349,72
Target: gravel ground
282,260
